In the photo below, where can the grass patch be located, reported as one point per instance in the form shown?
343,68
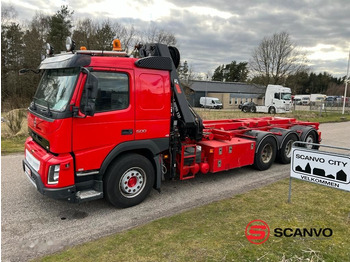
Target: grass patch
215,232
11,145
13,131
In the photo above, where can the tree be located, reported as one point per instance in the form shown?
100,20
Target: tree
11,58
84,34
231,72
104,36
276,58
60,26
156,35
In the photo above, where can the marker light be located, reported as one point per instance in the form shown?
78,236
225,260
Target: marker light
117,46
83,48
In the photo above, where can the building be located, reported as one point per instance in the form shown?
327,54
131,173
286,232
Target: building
231,94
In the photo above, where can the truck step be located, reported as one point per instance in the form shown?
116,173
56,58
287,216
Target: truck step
88,195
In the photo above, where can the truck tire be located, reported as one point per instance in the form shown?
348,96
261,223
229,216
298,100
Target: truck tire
129,180
245,109
285,152
311,138
266,154
272,110
253,109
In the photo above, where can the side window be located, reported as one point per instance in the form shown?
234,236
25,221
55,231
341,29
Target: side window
113,91
277,96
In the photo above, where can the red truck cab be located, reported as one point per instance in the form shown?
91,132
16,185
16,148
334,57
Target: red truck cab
68,148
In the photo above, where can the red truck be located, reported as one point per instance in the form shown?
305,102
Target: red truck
104,124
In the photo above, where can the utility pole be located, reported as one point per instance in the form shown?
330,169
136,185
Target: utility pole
346,84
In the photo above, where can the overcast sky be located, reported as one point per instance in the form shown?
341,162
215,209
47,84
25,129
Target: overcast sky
214,32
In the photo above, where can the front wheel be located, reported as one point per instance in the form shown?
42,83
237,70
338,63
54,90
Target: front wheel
129,180
272,110
245,109
266,154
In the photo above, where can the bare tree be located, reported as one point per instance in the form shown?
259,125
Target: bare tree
156,35
275,58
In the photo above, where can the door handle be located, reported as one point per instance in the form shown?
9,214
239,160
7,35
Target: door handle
127,132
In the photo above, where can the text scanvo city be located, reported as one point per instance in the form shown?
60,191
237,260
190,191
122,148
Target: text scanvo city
321,160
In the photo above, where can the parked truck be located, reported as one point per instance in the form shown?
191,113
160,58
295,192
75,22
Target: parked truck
278,99
103,124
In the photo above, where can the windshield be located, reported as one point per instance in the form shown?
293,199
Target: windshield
56,87
286,96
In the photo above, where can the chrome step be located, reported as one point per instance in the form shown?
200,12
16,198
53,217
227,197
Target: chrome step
88,194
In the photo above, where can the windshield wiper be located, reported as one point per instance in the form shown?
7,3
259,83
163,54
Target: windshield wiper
48,109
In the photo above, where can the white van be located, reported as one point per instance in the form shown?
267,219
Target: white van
211,102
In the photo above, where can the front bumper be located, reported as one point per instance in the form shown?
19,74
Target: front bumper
64,193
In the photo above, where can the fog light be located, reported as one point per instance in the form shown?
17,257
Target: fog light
54,173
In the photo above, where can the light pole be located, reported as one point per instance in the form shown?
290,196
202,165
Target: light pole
346,84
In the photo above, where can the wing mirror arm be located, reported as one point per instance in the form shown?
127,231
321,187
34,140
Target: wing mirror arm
87,103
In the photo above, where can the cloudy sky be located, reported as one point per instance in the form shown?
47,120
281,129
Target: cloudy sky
214,32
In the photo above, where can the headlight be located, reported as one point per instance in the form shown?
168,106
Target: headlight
54,173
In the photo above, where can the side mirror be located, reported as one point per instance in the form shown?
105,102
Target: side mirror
87,103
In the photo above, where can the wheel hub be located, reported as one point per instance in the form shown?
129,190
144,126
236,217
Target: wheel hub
288,150
266,153
132,182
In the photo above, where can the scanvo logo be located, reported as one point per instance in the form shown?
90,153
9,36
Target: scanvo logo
257,232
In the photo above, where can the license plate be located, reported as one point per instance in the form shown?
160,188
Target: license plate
28,172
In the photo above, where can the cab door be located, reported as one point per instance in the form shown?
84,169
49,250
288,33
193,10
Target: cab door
113,122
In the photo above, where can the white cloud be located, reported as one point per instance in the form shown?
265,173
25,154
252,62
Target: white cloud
202,10
325,52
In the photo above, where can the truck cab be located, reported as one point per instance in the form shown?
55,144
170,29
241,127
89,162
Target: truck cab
90,108
277,100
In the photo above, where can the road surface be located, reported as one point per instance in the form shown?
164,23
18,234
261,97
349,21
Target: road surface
33,225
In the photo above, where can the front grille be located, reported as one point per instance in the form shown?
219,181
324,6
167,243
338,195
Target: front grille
40,140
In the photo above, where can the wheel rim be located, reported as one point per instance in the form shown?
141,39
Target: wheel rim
288,149
266,154
132,182
309,139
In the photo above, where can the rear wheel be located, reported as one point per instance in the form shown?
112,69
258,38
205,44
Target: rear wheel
245,109
129,180
285,153
266,154
253,109
311,138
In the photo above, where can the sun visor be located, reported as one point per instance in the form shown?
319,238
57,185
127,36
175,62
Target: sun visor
65,61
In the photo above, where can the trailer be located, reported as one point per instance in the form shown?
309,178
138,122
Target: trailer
104,124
